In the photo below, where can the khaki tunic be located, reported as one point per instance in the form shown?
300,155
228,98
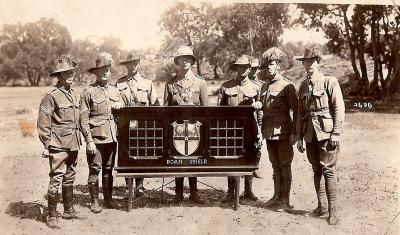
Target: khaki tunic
58,121
321,108
278,97
97,122
137,90
189,90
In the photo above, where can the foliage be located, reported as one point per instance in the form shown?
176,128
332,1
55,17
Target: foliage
29,50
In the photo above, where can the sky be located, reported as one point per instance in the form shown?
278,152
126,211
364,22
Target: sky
133,21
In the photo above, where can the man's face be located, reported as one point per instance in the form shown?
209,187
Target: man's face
185,62
133,66
242,70
103,73
310,65
273,67
67,76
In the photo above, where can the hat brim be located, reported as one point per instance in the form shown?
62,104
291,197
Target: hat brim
310,58
192,56
94,69
128,61
74,66
234,66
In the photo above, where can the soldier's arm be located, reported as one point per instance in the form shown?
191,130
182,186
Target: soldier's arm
153,98
292,100
299,118
338,107
259,112
46,110
204,94
166,96
221,97
84,110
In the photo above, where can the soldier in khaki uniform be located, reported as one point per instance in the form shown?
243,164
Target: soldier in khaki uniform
186,88
99,130
136,91
235,92
320,118
278,98
58,128
253,75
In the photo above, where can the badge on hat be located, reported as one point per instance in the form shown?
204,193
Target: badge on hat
64,63
103,60
132,56
313,53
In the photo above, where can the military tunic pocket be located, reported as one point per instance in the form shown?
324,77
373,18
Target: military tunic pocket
321,99
142,95
61,137
326,122
276,99
232,96
99,105
67,111
98,129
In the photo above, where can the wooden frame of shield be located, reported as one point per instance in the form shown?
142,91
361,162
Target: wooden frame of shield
186,141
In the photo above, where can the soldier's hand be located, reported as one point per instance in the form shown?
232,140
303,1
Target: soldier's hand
300,146
334,141
292,139
91,148
45,153
257,105
117,105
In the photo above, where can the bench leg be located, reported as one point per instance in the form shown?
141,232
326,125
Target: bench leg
237,192
130,193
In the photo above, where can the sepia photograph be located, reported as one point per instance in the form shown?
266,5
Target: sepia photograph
200,117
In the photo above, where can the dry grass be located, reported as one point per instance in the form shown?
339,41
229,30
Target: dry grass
27,128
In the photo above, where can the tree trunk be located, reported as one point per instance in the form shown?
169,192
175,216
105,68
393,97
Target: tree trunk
364,82
374,88
216,75
349,41
198,66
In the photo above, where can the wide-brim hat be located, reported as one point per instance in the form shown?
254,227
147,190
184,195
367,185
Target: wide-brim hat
313,53
64,63
273,53
103,60
132,56
184,51
241,60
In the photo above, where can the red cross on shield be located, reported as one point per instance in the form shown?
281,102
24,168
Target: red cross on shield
186,137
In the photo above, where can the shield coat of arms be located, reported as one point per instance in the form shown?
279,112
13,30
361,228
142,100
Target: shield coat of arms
186,137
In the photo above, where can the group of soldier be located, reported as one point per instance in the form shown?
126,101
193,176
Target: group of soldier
314,114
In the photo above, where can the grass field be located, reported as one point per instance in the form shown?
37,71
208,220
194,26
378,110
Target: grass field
368,189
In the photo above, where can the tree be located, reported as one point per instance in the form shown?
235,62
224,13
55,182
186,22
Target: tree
31,49
355,27
190,23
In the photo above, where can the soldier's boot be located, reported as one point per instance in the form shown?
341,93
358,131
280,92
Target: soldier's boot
94,197
248,189
319,185
285,195
330,185
231,191
256,174
178,190
139,189
68,200
107,191
194,195
52,221
275,200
